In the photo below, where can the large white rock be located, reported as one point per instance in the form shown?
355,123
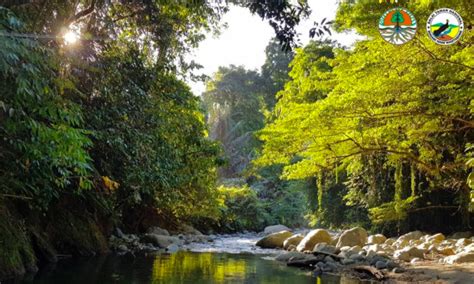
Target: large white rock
353,237
376,239
275,229
292,241
274,240
312,238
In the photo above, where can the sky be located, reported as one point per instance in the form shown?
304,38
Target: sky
243,42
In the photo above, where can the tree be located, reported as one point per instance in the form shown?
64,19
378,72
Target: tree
379,100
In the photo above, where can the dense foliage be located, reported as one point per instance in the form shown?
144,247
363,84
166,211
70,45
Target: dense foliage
395,119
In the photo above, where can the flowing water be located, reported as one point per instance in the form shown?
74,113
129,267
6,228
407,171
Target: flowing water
229,259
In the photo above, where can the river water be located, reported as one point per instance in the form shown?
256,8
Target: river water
229,259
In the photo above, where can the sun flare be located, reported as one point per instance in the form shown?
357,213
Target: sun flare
70,37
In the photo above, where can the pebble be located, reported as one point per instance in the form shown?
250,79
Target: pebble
398,270
380,264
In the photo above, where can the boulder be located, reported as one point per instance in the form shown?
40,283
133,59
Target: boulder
274,240
436,239
402,255
160,240
275,229
376,239
415,235
415,252
292,241
323,247
446,251
158,231
293,255
312,238
353,237
463,257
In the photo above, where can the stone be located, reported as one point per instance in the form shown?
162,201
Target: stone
415,235
312,238
158,231
292,241
328,259
469,248
323,247
462,242
348,261
294,255
172,248
119,233
275,229
391,264
330,266
355,249
389,241
398,270
376,239
415,260
414,252
402,255
357,257
461,235
317,271
380,264
436,239
122,248
370,254
376,258
463,257
160,240
274,240
353,237
446,251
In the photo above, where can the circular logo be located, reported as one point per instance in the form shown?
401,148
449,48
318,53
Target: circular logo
445,26
397,26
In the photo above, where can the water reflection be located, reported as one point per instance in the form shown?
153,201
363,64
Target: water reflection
182,267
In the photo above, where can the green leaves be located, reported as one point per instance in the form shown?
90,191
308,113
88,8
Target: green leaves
43,148
348,108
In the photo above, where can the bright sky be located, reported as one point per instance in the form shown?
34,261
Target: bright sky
247,35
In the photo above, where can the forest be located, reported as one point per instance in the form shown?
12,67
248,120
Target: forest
103,134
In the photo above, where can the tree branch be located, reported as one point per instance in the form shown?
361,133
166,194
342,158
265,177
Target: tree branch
81,14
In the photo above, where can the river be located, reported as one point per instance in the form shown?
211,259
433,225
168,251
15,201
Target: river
228,259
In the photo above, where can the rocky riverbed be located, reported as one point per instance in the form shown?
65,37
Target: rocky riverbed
411,257
414,256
